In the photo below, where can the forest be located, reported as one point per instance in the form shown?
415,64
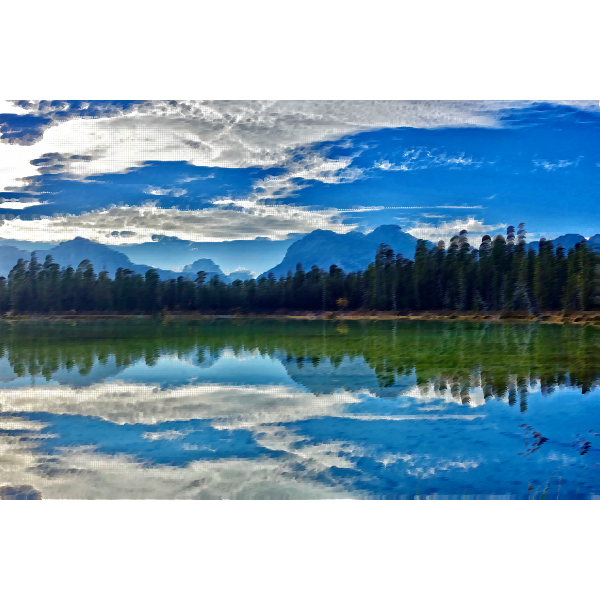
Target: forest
502,274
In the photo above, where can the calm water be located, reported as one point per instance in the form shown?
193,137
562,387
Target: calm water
300,410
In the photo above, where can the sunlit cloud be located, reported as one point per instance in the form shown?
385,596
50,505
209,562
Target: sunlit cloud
16,205
207,225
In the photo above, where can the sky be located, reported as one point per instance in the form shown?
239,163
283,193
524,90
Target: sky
129,172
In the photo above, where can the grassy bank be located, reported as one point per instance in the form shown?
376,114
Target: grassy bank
580,318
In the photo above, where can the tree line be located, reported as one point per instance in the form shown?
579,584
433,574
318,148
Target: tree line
502,274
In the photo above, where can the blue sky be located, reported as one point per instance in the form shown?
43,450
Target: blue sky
121,172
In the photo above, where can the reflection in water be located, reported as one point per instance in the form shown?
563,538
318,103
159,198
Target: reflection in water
298,409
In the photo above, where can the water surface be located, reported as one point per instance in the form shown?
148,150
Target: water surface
299,409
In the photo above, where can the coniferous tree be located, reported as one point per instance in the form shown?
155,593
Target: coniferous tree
570,294
151,296
4,295
439,274
485,272
18,286
104,292
499,264
501,275
509,271
463,271
545,274
32,275
586,264
422,276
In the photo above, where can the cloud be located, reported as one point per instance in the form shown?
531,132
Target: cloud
446,229
157,191
188,179
557,164
251,220
84,139
422,158
16,205
233,134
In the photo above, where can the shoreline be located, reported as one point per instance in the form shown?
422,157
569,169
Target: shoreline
577,318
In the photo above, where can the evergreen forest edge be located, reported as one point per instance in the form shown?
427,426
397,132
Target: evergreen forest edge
501,275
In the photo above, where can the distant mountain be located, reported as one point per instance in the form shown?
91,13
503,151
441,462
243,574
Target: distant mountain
595,241
168,252
568,241
350,251
9,255
353,251
206,265
72,252
243,274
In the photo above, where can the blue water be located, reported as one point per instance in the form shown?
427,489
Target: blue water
257,426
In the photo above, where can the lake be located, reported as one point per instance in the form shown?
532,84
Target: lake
299,409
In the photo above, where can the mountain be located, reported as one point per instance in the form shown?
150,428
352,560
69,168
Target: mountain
595,241
72,252
568,241
9,255
353,251
168,252
350,251
206,265
242,274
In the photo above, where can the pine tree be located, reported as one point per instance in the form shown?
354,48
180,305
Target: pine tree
4,296
18,286
104,292
545,274
33,272
586,263
421,276
499,267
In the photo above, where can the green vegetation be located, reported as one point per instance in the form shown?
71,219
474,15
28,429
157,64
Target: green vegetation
499,276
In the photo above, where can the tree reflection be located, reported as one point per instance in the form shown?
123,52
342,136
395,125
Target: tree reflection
447,359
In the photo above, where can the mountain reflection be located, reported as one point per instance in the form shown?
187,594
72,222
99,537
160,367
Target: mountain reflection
447,359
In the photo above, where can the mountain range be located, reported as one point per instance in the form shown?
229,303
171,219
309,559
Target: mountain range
351,252
355,251
72,252
569,240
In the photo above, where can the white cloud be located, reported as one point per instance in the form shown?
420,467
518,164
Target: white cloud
240,268
447,229
188,179
16,205
157,191
242,133
230,134
208,225
422,158
155,436
556,164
